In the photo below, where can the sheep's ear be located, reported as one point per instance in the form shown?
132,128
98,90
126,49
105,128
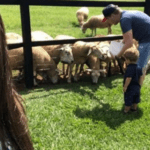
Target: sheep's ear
60,49
89,52
89,70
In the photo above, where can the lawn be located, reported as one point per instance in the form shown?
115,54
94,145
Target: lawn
79,116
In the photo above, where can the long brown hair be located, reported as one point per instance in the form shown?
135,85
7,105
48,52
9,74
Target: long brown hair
13,121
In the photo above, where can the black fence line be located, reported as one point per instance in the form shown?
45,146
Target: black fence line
73,3
26,33
67,41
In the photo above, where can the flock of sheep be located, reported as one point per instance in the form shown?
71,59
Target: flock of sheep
46,58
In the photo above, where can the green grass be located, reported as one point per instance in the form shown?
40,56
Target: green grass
53,20
79,116
84,116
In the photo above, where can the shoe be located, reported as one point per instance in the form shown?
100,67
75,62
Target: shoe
126,112
133,110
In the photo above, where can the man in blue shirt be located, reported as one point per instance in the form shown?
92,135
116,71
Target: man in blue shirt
134,24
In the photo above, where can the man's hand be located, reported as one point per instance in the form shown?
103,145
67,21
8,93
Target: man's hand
112,56
124,89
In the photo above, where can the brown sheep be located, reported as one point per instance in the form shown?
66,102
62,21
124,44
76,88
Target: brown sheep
41,62
96,22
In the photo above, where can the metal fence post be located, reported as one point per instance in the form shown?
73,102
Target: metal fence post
26,31
147,7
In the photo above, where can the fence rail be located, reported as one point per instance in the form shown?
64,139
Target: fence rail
26,28
73,3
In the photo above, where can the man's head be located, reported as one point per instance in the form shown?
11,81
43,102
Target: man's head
112,14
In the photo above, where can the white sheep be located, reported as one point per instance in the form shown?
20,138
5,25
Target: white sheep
66,52
82,15
13,38
96,22
40,36
12,35
41,62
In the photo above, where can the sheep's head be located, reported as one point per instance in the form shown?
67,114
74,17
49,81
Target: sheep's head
97,51
95,74
66,55
83,29
104,50
53,75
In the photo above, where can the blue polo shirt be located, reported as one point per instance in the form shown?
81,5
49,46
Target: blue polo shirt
139,22
133,71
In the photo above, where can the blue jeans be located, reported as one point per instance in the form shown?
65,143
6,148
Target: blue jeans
144,50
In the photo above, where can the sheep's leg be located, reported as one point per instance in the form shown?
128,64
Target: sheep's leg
109,69
70,73
21,74
81,68
63,69
95,31
92,32
67,70
34,78
109,30
115,65
121,68
76,78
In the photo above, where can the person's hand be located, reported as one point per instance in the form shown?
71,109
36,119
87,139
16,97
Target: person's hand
124,89
112,56
117,56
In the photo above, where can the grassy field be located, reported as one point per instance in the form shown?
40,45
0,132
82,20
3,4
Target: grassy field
80,116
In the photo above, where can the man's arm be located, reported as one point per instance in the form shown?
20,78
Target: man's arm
128,40
141,80
127,82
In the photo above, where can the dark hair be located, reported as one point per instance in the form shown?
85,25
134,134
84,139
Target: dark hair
132,54
111,9
13,120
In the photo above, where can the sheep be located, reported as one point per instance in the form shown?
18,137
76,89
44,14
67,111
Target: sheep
41,62
66,51
96,22
40,36
82,15
13,38
94,67
61,37
57,52
81,50
62,52
104,45
12,35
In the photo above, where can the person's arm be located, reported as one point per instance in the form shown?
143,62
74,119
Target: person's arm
128,40
127,82
141,80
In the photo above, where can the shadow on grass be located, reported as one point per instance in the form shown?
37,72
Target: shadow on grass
77,87
75,24
88,35
113,118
